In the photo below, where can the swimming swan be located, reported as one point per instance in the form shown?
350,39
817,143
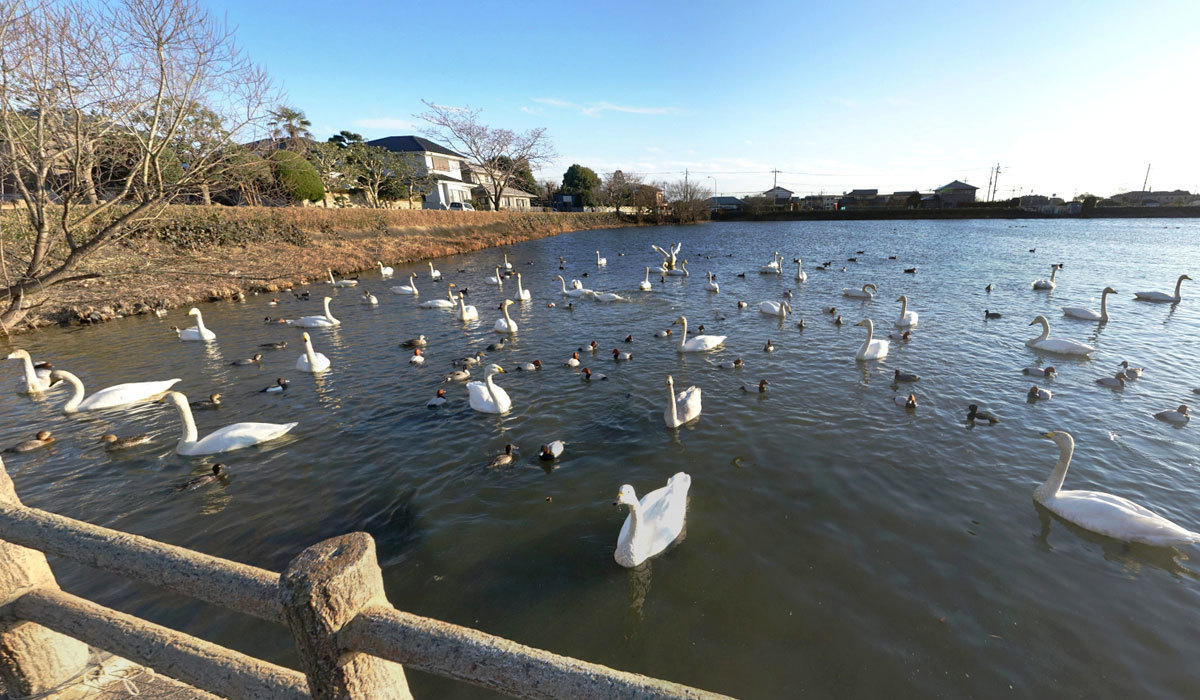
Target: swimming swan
680,271
326,321
385,272
861,293
1082,312
711,285
434,274
1057,345
465,313
1104,513
410,288
109,397
496,279
699,343
907,319
684,407
486,397
340,283
507,264
199,332
1160,296
506,324
775,308
1047,284
574,292
448,303
801,275
600,262
654,523
645,285
231,437
522,293
311,361
36,380
872,348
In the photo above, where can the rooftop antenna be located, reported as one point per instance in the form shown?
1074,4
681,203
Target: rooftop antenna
1147,180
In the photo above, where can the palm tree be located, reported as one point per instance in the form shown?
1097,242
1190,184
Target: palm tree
289,122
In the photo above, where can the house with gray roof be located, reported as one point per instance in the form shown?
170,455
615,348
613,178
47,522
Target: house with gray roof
956,193
449,169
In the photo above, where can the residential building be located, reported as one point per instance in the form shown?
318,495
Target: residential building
819,202
732,204
780,195
447,167
1156,198
956,193
904,200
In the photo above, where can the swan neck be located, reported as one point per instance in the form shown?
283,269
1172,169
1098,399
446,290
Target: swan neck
682,333
635,522
31,378
674,408
1104,307
491,389
520,289
1178,286
310,354
1052,485
1045,329
200,323
76,392
870,334
507,317
903,307
189,423
328,315
1053,272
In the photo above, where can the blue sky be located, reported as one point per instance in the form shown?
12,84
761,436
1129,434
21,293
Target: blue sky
1067,97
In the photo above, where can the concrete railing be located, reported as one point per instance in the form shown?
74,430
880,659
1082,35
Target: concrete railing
351,641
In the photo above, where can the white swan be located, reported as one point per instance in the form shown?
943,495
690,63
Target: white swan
410,288
311,361
231,437
872,348
1160,296
486,397
1087,314
1061,346
326,321
699,343
654,523
369,299
680,271
607,296
907,319
109,397
775,308
434,273
340,283
448,303
507,264
645,285
506,324
464,312
1047,284
1104,513
384,272
495,279
771,268
710,285
199,332
522,293
861,293
570,292
801,275
684,407
36,380
600,262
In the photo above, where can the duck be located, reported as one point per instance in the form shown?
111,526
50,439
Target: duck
212,403
37,376
800,324
906,402
495,279
552,450
369,299
418,342
417,358
409,289
680,271
574,291
619,356
280,385
1179,416
498,345
506,324
458,375
867,292
438,400
1116,381
730,364
600,262
470,360
801,275
899,376
769,347
465,312
990,288
572,361
326,321
504,459
522,293
974,415
775,308
645,285
486,396
787,294
506,264
760,388
1086,314
741,304
989,314
340,283
434,273
385,272
273,302
311,361
1046,372
588,375
699,343
218,472
112,442
910,270
41,439
1103,513
274,346
629,338
838,321
530,366
872,348
1043,284
267,320
831,310
1036,393
1131,372
1161,296
198,332
109,397
1060,346
663,334
653,523
906,319
247,361
607,297
231,437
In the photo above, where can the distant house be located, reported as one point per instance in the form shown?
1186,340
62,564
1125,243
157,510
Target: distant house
779,195
858,199
1157,198
510,198
904,199
819,202
724,204
447,167
956,193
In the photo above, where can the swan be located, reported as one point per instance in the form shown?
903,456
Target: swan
699,343
1082,312
326,321
771,268
109,397
506,324
384,272
654,523
872,348
860,293
495,279
410,288
1179,416
369,299
522,293
775,308
1104,513
311,361
607,296
684,407
680,271
200,332
1047,284
448,303
573,292
907,319
1160,296
507,264
231,437
36,380
465,313
801,275
434,273
711,285
645,285
340,283
486,397
600,262
1056,345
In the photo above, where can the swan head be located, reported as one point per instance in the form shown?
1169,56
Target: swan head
902,298
1061,438
626,496
306,338
872,286
670,380
1039,319
1109,290
1184,277
493,369
18,354
193,311
864,322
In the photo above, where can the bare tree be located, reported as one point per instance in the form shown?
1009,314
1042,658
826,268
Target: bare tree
687,200
620,189
107,113
496,155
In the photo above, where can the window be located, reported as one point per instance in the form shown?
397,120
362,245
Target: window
440,163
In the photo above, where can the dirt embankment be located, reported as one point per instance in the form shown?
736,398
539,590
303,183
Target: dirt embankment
194,254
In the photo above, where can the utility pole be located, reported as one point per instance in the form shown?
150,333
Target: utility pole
775,181
996,182
991,173
1146,182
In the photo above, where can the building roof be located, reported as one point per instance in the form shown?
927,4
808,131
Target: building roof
904,193
862,193
956,185
413,144
778,189
725,201
507,192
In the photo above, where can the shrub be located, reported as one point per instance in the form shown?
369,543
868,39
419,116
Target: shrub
295,178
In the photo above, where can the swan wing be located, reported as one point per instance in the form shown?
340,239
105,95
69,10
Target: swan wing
687,404
769,307
1154,296
664,512
1118,518
1063,346
322,363
237,436
701,343
313,322
122,394
1081,312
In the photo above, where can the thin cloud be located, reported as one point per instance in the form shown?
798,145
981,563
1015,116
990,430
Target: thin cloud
389,123
593,108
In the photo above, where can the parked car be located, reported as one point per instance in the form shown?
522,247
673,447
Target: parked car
461,206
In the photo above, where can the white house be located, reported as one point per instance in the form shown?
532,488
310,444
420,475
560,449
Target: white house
444,164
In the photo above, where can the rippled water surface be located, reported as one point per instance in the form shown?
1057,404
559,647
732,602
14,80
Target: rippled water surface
837,546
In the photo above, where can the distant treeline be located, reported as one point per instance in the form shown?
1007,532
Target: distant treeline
959,213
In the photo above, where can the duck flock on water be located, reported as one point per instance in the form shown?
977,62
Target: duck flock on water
655,521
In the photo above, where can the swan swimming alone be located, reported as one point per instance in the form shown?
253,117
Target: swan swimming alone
683,407
801,275
506,324
465,313
340,283
385,272
409,289
600,262
448,303
522,293
699,343
231,437
197,333
872,348
496,279
35,380
311,361
653,523
110,397
486,396
863,293
906,319
1104,513
775,308
711,285
1161,296
1060,346
1086,314
645,285
1047,284
326,321
434,273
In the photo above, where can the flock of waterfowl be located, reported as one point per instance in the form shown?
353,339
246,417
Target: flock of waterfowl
656,520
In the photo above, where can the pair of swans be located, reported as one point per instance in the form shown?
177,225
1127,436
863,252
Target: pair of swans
1086,314
37,379
506,324
486,397
464,312
344,283
110,397
773,267
410,288
448,303
326,321
1061,346
197,333
645,285
872,348
1047,284
654,522
683,407
867,292
699,343
1162,297
574,291
711,285
775,308
231,437
311,361
600,262
907,319
1103,513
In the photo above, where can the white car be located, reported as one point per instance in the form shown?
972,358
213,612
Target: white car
461,206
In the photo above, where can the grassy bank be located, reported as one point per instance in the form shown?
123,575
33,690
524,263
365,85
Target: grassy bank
192,254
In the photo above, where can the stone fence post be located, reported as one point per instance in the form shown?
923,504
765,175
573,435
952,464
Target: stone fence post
33,659
322,590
